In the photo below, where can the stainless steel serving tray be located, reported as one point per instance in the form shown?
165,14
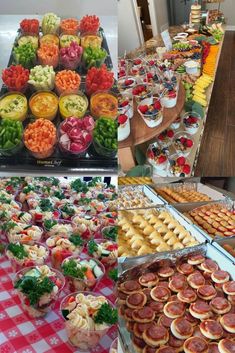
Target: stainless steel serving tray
195,232
149,193
182,208
219,245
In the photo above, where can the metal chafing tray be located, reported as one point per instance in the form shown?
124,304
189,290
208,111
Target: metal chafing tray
195,232
153,262
148,191
219,243
182,208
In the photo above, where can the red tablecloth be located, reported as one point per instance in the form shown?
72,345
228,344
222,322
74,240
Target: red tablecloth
19,334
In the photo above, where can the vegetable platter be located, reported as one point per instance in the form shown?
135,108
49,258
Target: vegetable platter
58,99
55,256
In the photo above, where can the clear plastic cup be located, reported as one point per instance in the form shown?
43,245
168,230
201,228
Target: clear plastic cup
104,104
83,284
38,97
61,231
146,94
18,264
39,309
86,229
109,260
114,346
151,120
84,339
8,99
73,30
25,238
59,255
191,121
182,149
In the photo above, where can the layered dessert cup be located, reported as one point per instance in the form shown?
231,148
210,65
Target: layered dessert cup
143,92
179,167
126,84
183,143
191,121
152,114
170,92
124,128
157,157
125,104
165,138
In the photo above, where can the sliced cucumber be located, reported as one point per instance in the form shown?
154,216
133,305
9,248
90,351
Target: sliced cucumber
105,253
92,264
97,271
33,273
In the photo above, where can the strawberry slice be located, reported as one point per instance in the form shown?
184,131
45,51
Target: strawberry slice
161,159
128,82
189,143
157,105
124,104
181,161
170,133
186,169
143,109
122,119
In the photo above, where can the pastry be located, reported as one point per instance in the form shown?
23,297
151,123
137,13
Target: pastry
195,345
211,329
181,328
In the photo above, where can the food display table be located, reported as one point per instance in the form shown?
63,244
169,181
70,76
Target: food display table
140,133
21,334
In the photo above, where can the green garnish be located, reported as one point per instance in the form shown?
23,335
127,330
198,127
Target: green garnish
100,197
2,248
17,250
84,201
28,188
68,209
45,205
49,223
70,269
8,225
55,181
106,314
79,186
59,195
76,239
111,233
113,274
92,247
34,288
3,199
94,181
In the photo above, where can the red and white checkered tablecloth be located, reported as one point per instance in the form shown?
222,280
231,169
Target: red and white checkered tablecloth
19,334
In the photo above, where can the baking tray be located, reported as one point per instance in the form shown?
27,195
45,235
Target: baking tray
148,191
215,195
90,163
152,263
181,207
218,243
128,262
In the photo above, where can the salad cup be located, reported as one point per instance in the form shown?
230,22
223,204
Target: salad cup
87,226
46,302
110,233
62,227
84,338
75,283
106,252
17,264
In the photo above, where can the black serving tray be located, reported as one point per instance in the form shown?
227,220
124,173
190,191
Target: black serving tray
92,163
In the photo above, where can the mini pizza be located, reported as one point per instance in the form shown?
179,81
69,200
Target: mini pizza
228,322
138,329
129,287
220,276
200,310
209,266
196,259
165,321
181,328
148,280
195,345
156,335
156,306
211,329
175,343
193,321
196,280
160,294
174,309
206,292
229,288
136,300
129,314
165,272
185,268
187,295
144,315
213,347
226,346
220,305
138,344
177,283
